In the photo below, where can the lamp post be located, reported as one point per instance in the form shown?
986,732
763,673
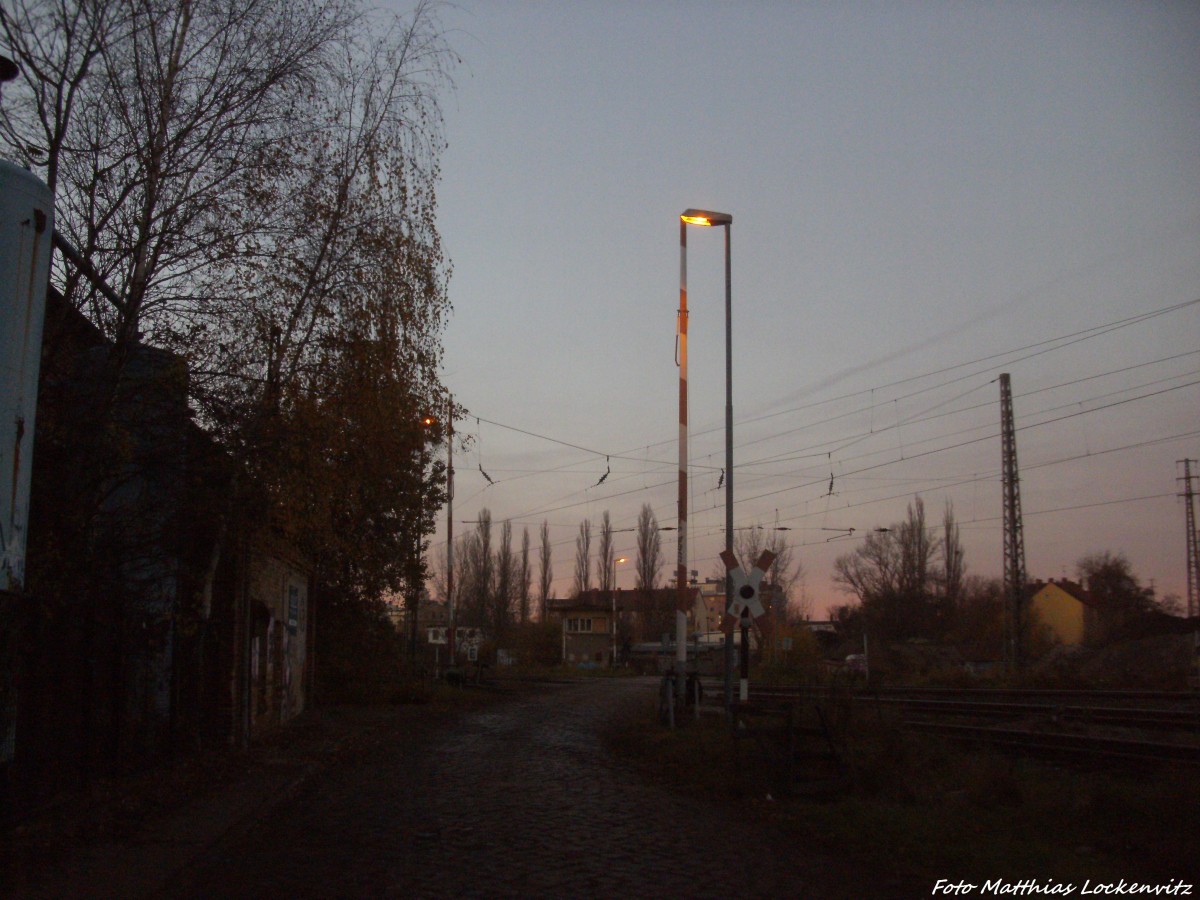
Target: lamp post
612,592
428,422
703,218
451,659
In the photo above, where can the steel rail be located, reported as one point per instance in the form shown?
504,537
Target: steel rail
1177,719
1043,696
1073,745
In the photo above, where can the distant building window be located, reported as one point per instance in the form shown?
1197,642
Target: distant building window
579,626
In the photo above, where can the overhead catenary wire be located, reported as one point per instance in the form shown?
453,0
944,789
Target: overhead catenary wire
644,460
1041,347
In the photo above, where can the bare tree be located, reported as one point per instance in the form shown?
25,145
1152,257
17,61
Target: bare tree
502,600
891,575
545,571
159,110
57,45
439,571
480,581
954,567
524,579
1120,599
604,558
917,549
872,570
255,180
649,550
583,559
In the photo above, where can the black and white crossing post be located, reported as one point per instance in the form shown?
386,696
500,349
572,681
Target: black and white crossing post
745,605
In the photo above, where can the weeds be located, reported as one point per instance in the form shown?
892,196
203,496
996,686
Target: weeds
920,808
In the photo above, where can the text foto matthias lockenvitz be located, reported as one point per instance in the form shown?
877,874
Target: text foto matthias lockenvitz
1032,887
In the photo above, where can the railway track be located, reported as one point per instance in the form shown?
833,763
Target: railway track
1116,716
1044,743
1042,696
1164,723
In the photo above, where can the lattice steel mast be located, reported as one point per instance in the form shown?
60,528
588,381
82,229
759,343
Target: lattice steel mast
1014,539
1193,552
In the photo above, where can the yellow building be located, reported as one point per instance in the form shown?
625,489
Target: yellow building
1062,606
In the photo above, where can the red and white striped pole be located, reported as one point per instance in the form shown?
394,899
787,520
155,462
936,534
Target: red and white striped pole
705,218
681,579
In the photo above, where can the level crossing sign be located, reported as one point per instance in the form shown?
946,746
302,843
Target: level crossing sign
746,599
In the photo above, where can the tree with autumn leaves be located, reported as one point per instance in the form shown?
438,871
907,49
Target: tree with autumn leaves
254,180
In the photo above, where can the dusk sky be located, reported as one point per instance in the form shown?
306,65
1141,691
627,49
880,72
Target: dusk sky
924,195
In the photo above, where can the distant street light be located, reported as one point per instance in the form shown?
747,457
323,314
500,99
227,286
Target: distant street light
612,592
704,218
451,660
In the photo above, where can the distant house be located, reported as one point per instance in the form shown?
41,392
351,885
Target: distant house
279,636
430,613
587,628
709,608
822,626
1065,607
587,622
467,640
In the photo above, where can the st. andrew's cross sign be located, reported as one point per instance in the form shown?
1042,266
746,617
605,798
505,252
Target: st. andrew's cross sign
746,599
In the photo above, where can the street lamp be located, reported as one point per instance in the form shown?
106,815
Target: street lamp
703,218
612,592
427,422
451,659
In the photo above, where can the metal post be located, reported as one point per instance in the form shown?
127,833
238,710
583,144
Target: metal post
744,687
1014,541
728,459
452,658
612,593
1193,560
415,570
1193,553
681,600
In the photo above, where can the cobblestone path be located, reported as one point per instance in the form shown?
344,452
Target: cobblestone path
519,800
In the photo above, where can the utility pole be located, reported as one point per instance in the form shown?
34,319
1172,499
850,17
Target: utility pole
1193,552
682,595
452,659
1014,539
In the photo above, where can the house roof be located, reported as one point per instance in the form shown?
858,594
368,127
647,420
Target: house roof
1071,588
602,601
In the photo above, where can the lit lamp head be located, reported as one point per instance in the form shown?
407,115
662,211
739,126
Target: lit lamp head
706,217
428,428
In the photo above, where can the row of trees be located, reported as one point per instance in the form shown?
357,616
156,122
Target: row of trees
647,567
497,585
908,580
495,588
254,181
911,581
